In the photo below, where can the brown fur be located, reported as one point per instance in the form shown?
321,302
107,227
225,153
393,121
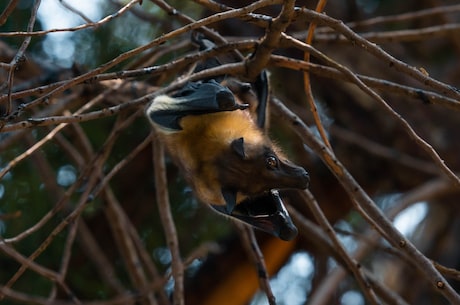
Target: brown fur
203,151
199,146
211,133
226,152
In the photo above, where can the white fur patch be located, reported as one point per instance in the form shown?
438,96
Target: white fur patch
161,102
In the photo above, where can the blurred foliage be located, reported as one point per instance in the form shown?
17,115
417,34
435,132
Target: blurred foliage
24,192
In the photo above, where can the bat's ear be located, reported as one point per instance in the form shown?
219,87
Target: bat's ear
238,147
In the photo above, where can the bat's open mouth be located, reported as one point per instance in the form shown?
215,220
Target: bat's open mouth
265,212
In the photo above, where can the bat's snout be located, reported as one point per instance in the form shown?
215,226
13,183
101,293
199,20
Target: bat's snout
293,176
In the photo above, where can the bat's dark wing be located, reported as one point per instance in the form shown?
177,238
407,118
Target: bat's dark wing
262,90
206,44
193,99
260,86
265,212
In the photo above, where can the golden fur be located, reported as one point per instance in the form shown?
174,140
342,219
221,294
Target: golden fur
202,139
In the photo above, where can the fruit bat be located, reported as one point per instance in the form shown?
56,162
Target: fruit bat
214,131
228,160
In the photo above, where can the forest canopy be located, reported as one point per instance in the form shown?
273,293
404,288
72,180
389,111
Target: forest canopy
363,94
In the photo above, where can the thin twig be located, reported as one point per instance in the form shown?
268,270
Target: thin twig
101,262
313,233
425,96
104,20
369,239
24,298
167,220
156,42
118,222
65,260
77,117
352,265
7,11
174,65
50,135
30,264
383,151
120,165
94,173
253,250
149,267
363,202
19,57
422,34
306,78
429,12
79,13
379,53
396,116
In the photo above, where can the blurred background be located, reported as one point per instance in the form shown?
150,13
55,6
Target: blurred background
83,203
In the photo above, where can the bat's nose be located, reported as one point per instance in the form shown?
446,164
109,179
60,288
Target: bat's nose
305,179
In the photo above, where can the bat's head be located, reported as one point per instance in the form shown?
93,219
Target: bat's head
256,170
254,166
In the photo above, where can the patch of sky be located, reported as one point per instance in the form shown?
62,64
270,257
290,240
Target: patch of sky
352,297
59,46
163,255
408,219
347,240
66,175
292,283
2,191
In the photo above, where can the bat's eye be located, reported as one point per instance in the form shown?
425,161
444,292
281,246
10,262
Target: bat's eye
271,162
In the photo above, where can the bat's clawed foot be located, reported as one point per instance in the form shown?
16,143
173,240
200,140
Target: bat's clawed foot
226,101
